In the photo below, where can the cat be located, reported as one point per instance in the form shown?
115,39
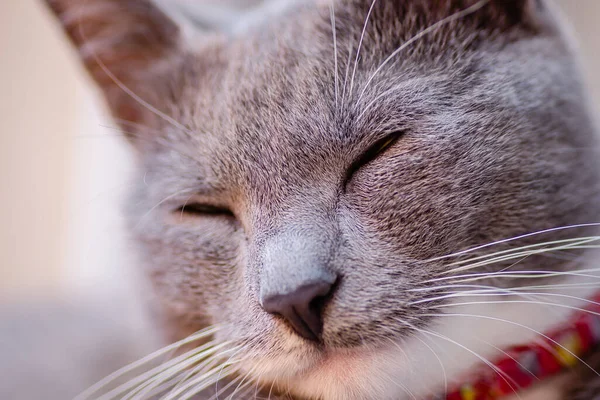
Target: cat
354,197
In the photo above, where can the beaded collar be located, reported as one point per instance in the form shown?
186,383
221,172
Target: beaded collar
524,366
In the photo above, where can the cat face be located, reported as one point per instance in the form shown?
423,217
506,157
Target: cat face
321,152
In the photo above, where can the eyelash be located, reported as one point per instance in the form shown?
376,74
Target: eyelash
371,154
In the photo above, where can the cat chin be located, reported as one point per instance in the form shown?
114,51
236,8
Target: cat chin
335,374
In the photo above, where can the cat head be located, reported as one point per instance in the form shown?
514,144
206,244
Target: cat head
302,181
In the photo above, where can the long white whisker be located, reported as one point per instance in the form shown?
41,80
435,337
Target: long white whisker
148,381
246,376
362,37
507,354
479,293
212,364
348,62
520,249
401,386
528,235
225,388
498,371
189,387
376,99
133,366
523,254
543,303
515,288
536,274
203,384
335,56
163,372
406,323
453,17
524,327
242,348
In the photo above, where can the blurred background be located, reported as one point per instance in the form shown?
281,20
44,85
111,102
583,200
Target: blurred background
64,169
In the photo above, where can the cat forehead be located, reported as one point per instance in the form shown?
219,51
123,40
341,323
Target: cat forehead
308,78
299,90
316,43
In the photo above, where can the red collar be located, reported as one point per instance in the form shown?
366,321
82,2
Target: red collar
524,366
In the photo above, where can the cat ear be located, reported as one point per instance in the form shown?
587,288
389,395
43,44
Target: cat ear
518,11
125,45
494,15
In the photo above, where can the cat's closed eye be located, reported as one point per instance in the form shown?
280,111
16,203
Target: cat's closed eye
198,210
373,152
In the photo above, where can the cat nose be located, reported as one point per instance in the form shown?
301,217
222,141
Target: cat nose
301,308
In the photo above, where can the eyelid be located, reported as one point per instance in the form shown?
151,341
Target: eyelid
202,209
372,153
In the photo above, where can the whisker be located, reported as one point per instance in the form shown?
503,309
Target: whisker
401,386
165,371
247,391
528,235
335,55
224,389
535,274
453,17
199,383
523,254
406,323
210,364
258,389
226,362
543,303
524,327
439,361
507,354
348,62
584,239
241,385
506,292
135,365
204,384
271,390
157,377
388,92
376,100
504,376
163,387
492,289
360,42
135,125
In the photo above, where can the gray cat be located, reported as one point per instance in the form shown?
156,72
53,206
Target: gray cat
312,182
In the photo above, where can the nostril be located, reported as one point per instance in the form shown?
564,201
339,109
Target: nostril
301,308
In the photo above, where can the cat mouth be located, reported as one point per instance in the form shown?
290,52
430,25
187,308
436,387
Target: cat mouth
342,364
333,373
301,372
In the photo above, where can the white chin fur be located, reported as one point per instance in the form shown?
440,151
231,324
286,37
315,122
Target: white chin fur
423,365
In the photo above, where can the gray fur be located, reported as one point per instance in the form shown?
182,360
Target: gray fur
296,258
496,142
